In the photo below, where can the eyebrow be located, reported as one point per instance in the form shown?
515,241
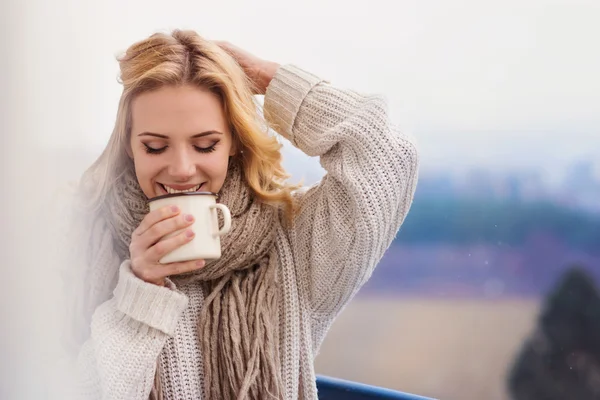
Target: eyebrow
197,135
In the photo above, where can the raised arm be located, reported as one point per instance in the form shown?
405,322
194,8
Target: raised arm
347,221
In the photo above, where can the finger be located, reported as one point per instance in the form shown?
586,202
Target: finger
224,44
163,228
181,267
238,54
154,217
163,247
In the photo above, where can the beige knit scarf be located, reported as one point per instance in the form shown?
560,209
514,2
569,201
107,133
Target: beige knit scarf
238,325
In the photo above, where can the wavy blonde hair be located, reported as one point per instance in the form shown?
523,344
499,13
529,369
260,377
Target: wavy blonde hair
180,58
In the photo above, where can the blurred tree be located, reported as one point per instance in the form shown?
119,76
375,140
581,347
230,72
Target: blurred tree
562,358
460,221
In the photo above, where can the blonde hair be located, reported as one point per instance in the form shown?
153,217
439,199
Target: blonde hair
183,57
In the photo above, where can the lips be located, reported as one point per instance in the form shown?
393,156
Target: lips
181,188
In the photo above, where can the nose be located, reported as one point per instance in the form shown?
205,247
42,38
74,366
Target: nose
181,166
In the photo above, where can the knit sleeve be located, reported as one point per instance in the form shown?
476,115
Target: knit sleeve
346,221
128,332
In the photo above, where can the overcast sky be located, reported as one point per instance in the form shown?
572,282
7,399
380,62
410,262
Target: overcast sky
505,83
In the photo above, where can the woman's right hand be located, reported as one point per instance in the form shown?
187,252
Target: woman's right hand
146,248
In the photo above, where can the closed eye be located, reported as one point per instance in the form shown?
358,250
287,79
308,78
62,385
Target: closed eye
209,149
153,150
159,150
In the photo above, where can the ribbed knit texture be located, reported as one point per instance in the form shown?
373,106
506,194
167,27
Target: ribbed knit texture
344,225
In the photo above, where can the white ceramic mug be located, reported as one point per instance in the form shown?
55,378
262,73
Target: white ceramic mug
206,244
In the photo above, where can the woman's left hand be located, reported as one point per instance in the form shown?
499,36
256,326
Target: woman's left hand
259,71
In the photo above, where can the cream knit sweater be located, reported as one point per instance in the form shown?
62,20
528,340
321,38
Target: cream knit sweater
345,224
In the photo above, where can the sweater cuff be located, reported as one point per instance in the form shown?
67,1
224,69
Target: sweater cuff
285,95
156,306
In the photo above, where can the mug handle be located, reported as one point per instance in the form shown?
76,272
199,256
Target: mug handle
226,218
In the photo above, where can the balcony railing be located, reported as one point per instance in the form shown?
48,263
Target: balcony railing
338,389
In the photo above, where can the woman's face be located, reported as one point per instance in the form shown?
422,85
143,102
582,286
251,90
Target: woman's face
180,140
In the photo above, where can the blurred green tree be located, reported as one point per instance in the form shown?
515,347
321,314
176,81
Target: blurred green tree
562,358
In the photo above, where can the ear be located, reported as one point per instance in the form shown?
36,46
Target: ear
235,149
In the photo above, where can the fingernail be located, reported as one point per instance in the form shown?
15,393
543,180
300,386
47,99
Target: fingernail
174,208
200,263
189,233
189,217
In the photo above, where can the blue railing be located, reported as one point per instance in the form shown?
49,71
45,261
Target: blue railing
339,389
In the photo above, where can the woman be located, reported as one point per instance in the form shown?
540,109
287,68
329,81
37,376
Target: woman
249,325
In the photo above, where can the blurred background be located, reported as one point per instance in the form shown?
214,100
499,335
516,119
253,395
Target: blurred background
490,290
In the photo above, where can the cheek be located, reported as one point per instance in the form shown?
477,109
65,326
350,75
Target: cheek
215,168
216,165
146,169
141,166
